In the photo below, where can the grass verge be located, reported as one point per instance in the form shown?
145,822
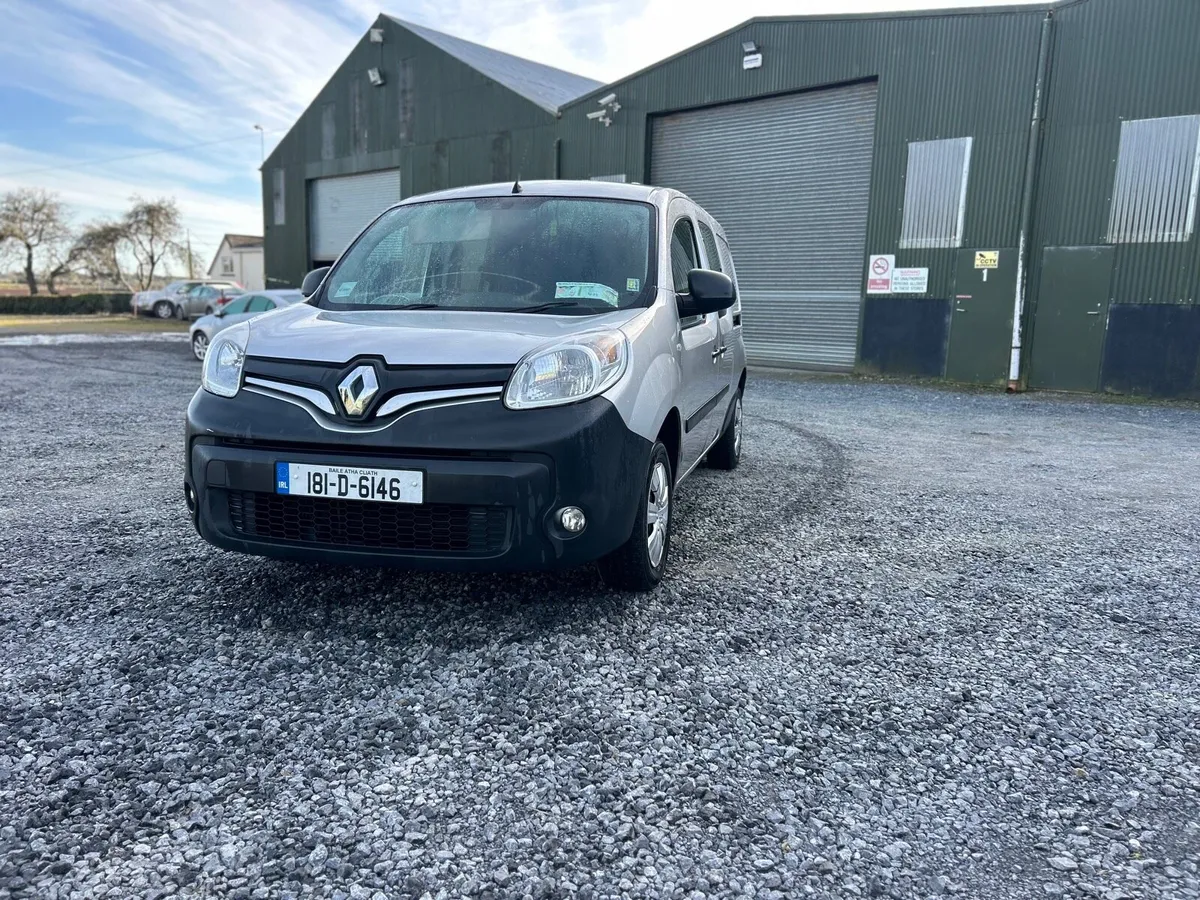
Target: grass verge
100,324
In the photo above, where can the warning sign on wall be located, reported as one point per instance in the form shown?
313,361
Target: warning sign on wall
879,274
910,281
987,259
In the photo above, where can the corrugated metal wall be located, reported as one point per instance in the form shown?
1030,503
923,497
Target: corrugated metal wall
940,76
439,121
1115,61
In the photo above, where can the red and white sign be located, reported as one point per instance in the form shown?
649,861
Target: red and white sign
910,281
879,274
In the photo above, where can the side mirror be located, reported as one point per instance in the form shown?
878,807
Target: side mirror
708,292
313,280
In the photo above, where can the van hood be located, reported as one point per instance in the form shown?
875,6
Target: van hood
414,337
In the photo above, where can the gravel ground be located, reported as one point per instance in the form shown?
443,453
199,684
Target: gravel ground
921,643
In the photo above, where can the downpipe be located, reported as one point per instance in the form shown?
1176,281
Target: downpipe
1032,161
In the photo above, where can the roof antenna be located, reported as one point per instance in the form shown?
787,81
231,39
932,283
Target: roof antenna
517,184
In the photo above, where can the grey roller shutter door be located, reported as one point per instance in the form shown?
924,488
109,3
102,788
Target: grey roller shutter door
789,179
339,208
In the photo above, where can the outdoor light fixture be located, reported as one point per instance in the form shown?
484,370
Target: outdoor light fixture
375,77
376,35
751,55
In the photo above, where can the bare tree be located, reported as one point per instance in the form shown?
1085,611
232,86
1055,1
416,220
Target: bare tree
98,253
152,230
33,218
95,251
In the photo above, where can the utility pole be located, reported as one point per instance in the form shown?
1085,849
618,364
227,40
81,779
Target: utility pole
191,266
262,143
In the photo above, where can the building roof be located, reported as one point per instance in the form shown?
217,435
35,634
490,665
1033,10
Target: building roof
242,241
546,86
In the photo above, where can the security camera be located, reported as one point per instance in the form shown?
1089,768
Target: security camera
610,98
596,115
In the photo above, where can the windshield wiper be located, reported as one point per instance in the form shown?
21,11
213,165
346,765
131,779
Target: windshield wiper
540,307
414,306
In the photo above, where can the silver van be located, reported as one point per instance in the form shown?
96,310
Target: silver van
504,377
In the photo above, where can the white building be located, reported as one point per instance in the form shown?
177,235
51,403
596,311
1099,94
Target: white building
240,259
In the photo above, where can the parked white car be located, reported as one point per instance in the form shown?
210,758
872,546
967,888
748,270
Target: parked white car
240,309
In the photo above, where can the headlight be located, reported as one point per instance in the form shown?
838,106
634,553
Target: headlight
579,367
224,360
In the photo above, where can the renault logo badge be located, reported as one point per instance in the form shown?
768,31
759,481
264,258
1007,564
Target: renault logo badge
358,389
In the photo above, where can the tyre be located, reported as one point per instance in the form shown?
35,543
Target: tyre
208,310
726,452
639,563
199,345
179,313
164,309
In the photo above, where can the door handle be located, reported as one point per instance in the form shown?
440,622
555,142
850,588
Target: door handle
720,351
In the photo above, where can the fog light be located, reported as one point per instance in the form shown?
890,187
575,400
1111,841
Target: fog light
572,519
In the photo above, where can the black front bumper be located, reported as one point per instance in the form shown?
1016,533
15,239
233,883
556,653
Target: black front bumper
493,480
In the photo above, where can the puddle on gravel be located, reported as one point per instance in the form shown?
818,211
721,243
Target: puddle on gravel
42,340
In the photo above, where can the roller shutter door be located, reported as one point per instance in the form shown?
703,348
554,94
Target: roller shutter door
339,208
789,179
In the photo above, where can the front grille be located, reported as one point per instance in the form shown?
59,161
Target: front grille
320,521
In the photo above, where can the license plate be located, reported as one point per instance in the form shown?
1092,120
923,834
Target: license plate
350,483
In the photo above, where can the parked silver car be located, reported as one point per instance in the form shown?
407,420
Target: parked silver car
206,299
240,309
498,377
165,303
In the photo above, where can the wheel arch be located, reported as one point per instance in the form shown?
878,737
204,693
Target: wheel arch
670,433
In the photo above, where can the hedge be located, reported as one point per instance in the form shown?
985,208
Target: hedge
65,304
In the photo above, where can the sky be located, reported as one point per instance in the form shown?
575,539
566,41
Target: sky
104,99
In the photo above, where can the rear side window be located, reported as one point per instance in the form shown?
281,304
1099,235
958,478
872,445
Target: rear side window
710,248
683,254
726,259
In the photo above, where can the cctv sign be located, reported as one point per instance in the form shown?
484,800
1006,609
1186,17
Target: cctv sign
879,274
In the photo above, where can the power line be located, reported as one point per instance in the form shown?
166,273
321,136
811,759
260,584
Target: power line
112,159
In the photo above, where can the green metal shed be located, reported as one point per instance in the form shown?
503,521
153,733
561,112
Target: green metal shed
998,195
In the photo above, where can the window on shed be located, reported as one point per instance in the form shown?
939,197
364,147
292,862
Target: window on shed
620,179
277,196
935,193
358,115
328,131
1154,191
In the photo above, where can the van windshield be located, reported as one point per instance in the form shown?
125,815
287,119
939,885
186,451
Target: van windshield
567,256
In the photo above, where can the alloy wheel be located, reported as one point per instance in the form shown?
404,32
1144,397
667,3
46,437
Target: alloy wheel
658,511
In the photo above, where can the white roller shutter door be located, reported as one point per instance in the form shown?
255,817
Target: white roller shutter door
339,208
789,179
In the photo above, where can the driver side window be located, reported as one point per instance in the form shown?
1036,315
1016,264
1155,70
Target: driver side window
683,254
235,307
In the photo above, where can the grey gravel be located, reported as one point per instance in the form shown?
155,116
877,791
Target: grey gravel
922,643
